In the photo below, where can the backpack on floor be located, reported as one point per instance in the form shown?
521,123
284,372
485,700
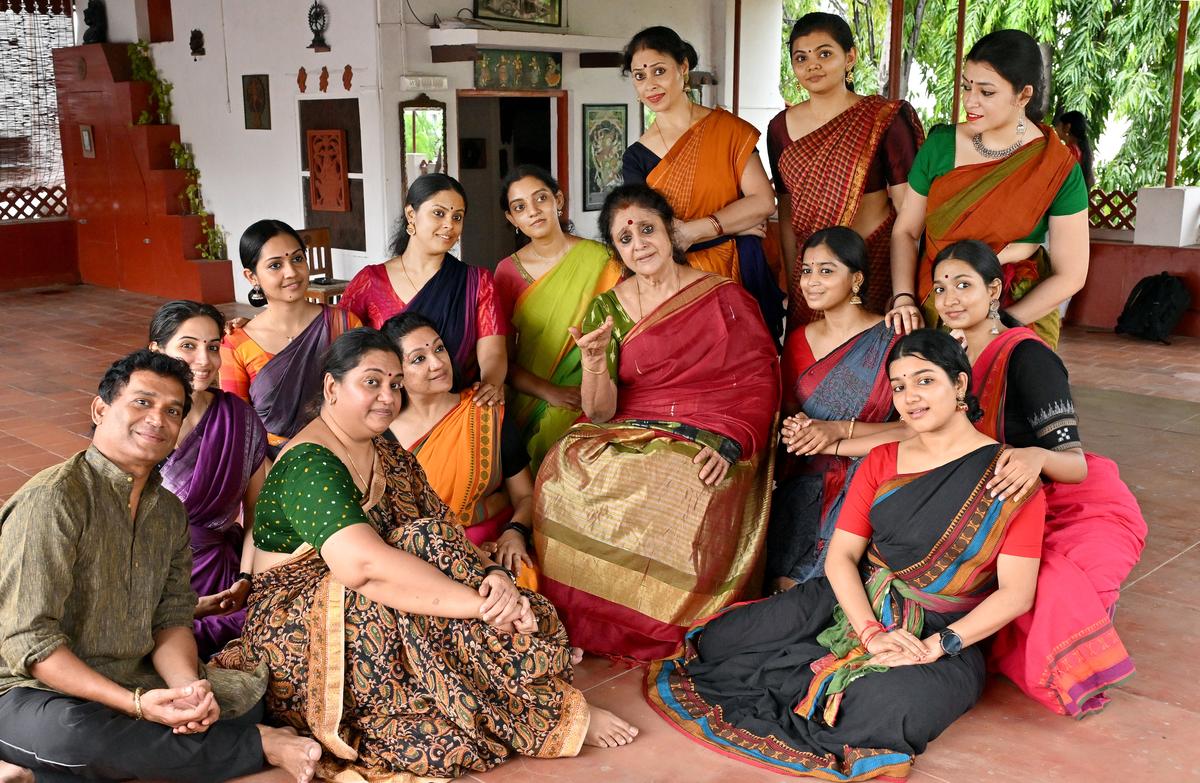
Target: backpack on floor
1154,306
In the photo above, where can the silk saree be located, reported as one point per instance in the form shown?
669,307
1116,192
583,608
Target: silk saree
633,547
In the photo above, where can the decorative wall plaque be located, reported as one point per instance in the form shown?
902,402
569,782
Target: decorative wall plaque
328,183
505,69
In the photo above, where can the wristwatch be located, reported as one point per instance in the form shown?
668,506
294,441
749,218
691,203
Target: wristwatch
951,642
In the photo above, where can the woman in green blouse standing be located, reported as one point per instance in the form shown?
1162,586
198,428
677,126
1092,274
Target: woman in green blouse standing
378,618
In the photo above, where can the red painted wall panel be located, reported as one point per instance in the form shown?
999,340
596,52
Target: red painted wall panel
36,253
1116,268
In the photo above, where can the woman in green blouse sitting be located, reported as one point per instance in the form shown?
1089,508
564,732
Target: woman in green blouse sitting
379,620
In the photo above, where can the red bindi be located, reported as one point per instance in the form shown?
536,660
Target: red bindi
631,222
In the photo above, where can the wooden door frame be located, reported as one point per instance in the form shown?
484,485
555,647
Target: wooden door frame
561,132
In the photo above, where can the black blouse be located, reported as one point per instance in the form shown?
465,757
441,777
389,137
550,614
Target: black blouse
1038,409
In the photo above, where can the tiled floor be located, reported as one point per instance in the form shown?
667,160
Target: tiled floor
1139,403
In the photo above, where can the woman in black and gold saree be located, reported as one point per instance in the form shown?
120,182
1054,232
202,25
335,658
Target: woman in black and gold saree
843,680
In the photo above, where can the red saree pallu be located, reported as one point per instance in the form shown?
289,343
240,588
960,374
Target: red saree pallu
998,202
826,175
1065,652
633,547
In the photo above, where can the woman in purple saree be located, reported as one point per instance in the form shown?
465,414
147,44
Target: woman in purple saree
217,469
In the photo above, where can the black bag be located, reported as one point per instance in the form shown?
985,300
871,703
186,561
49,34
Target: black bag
1154,306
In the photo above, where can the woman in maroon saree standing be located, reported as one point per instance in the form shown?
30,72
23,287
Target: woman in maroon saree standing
653,514
217,469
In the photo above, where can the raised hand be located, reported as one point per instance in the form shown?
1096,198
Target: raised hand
593,347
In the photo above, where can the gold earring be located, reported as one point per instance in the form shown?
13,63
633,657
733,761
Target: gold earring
962,403
856,299
411,228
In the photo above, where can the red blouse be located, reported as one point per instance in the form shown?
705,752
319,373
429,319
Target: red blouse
371,297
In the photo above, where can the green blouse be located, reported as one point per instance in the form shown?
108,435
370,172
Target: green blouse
936,157
602,306
308,496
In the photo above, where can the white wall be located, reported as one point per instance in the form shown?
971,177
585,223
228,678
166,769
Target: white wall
248,175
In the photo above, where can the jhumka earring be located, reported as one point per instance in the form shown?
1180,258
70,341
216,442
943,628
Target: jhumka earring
856,299
994,314
1021,126
962,403
256,297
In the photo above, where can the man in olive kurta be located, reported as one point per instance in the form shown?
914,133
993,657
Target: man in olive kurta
99,675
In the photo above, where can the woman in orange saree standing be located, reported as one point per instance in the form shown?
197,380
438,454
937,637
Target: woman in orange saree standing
838,159
653,514
704,162
1000,178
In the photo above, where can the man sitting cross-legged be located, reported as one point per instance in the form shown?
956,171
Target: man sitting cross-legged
99,676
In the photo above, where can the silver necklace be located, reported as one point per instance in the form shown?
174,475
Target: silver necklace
987,152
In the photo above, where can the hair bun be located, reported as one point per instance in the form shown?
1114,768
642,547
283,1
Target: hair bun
693,59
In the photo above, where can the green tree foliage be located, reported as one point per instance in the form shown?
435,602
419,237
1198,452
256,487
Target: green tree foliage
1113,60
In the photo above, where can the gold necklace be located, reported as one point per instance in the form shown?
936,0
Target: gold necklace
404,269
346,450
638,285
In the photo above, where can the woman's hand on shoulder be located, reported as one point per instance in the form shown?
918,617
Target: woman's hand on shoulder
905,316
1017,472
233,324
713,466
488,394
593,346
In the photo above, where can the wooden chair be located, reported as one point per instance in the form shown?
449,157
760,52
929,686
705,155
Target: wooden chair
323,288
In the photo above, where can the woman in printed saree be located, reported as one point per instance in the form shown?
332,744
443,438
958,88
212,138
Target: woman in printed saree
216,469
704,162
835,386
1065,653
1000,177
543,290
653,513
489,490
838,158
424,277
845,678
273,361
388,637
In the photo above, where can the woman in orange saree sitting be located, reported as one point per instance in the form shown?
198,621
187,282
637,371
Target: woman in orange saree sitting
838,159
489,490
1000,177
653,514
704,162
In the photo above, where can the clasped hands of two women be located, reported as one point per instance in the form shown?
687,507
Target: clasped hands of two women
592,350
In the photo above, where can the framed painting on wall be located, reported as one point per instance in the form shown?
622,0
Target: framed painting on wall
543,12
256,101
605,131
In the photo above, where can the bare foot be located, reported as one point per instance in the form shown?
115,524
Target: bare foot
10,773
286,749
607,730
576,656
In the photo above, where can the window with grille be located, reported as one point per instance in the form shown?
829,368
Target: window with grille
31,164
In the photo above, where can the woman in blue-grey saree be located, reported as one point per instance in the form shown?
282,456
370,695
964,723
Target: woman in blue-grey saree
849,678
834,387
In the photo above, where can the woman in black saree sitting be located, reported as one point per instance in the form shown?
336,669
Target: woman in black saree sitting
845,681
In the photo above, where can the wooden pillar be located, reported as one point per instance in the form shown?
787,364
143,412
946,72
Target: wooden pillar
896,52
1177,95
958,58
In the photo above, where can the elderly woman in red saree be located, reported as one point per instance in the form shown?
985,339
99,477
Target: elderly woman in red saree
423,276
544,289
838,159
273,361
835,386
1002,178
704,162
850,677
653,514
1065,652
472,455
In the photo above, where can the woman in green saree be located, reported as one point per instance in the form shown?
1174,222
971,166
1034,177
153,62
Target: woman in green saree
544,289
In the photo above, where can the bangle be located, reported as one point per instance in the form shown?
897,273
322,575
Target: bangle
137,703
245,576
872,629
594,372
850,434
716,223
494,567
837,446
524,530
892,302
